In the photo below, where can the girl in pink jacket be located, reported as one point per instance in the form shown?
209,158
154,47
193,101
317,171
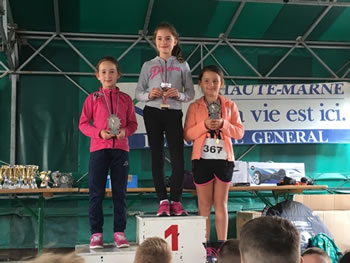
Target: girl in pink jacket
108,118
211,123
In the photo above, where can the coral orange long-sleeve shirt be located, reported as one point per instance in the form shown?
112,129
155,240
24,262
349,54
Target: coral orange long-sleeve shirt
196,131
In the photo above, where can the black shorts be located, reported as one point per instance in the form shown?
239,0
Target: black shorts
204,171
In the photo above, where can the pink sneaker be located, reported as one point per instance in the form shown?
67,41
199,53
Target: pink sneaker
96,240
177,209
120,240
212,254
164,209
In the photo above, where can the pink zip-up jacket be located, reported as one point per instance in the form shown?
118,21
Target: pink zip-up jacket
95,113
196,131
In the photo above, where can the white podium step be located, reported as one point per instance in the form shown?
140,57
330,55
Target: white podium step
185,235
109,254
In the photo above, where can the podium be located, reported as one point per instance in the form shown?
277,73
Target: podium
184,234
109,254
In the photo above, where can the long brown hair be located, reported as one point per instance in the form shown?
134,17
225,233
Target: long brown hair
176,50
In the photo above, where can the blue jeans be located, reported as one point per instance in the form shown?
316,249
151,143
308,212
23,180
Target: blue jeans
117,161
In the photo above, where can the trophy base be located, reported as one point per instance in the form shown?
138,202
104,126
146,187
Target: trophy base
164,106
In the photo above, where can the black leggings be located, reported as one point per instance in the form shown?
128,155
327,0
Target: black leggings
169,122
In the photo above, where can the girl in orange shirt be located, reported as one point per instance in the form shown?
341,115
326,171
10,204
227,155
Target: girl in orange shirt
211,123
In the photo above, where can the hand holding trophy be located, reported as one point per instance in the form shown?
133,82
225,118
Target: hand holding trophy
164,86
214,110
113,124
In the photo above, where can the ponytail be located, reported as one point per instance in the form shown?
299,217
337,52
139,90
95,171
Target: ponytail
178,53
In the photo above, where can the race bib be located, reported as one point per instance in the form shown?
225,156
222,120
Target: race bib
213,149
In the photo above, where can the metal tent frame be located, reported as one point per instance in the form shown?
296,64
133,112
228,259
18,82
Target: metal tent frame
13,38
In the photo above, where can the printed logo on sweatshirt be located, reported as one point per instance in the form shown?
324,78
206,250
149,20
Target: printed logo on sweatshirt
155,70
97,95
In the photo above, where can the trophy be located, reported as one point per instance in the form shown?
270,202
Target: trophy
25,184
31,172
214,110
164,86
27,177
113,124
44,177
63,180
11,177
1,176
18,176
6,170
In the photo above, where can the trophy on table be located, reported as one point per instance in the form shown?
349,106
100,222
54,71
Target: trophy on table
27,177
44,177
19,176
165,86
113,124
31,174
1,176
6,170
63,180
11,177
25,184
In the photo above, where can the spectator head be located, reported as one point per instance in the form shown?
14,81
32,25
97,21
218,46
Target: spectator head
269,239
153,249
315,255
